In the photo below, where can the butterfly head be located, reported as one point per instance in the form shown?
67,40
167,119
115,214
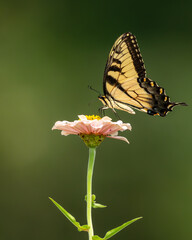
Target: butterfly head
104,100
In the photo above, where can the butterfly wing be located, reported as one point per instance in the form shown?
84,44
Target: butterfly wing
124,61
125,84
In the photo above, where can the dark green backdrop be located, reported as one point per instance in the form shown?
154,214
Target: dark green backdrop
50,51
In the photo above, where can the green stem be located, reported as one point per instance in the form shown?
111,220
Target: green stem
92,153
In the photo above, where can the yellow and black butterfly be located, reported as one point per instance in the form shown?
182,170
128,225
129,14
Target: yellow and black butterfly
125,84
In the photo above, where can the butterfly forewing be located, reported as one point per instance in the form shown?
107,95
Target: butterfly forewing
125,61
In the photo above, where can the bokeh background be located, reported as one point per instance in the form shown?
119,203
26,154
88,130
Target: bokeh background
50,51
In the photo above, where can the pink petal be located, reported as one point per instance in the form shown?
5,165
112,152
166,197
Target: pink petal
69,130
97,125
106,126
110,129
114,134
125,126
119,138
81,127
66,133
128,125
58,124
82,117
107,119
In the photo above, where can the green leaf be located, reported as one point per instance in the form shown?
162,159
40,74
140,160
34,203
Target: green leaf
114,231
94,204
84,228
98,205
70,217
96,237
93,197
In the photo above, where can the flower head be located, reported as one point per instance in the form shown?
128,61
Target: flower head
93,129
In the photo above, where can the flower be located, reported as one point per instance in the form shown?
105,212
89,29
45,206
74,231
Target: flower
93,129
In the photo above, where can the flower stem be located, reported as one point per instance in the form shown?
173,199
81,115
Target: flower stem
92,153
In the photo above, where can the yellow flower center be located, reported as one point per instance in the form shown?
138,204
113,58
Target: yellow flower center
92,117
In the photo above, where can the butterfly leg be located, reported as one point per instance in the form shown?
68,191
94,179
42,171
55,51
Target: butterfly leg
102,111
116,114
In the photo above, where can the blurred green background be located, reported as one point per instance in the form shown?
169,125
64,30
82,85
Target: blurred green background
50,51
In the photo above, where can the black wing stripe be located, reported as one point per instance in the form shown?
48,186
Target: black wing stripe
135,53
114,68
116,61
111,80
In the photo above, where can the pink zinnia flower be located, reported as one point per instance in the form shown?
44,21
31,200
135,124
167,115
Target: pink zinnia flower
93,129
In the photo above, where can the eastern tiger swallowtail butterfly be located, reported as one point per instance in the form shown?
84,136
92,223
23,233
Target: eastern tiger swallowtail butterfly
125,84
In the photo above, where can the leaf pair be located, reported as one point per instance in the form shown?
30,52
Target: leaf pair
85,228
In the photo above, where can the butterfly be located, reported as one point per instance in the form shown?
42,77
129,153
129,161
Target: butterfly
126,85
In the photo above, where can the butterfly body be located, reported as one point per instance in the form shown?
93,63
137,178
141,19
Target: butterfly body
126,85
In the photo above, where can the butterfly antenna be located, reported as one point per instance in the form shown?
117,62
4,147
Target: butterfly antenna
94,89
